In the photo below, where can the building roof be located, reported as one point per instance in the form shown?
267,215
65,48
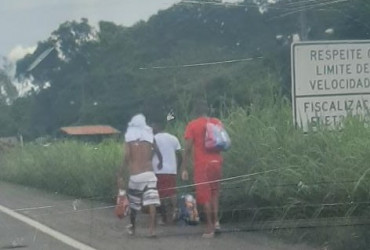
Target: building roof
90,130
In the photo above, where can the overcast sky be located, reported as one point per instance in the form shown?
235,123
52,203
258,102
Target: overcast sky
25,22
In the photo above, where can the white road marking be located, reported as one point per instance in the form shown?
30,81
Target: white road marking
47,230
32,208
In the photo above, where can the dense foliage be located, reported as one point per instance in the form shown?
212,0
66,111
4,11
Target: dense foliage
272,171
103,76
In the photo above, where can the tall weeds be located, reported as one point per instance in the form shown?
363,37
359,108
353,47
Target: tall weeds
69,167
283,172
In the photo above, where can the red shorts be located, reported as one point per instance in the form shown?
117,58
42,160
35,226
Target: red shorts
207,176
166,185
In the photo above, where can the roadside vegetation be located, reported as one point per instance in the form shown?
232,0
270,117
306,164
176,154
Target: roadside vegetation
273,171
279,170
68,167
237,58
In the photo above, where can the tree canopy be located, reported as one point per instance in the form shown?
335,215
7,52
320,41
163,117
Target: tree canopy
228,54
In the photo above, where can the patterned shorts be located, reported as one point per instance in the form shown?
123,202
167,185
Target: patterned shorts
142,190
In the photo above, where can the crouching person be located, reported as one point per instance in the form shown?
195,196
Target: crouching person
142,185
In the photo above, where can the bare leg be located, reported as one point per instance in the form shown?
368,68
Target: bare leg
169,205
173,209
162,211
215,208
152,212
209,222
131,228
167,210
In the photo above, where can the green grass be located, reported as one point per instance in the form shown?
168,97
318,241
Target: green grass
307,170
293,174
68,167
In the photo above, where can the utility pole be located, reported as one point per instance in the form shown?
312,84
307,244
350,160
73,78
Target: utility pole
303,21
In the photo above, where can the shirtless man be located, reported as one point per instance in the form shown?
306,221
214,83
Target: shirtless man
142,186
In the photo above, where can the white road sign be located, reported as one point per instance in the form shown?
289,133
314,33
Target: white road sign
330,80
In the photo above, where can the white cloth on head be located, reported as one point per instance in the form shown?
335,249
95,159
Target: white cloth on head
137,130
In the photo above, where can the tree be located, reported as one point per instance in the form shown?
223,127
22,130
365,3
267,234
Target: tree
181,53
8,91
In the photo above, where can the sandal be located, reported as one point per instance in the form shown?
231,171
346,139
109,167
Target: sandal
175,214
161,222
130,229
217,227
208,235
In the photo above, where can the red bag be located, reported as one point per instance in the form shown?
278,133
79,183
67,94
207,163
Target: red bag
122,205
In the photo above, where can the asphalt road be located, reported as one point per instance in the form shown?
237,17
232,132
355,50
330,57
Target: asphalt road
14,234
94,225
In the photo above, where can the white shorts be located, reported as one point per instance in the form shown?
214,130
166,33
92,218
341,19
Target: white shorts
142,190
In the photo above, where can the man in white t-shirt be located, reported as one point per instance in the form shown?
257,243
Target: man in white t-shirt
170,149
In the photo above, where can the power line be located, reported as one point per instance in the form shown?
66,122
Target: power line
308,8
275,6
301,205
257,209
301,224
201,64
356,20
240,178
304,2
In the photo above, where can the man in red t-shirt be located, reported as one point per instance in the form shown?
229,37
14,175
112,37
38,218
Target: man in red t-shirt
207,167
